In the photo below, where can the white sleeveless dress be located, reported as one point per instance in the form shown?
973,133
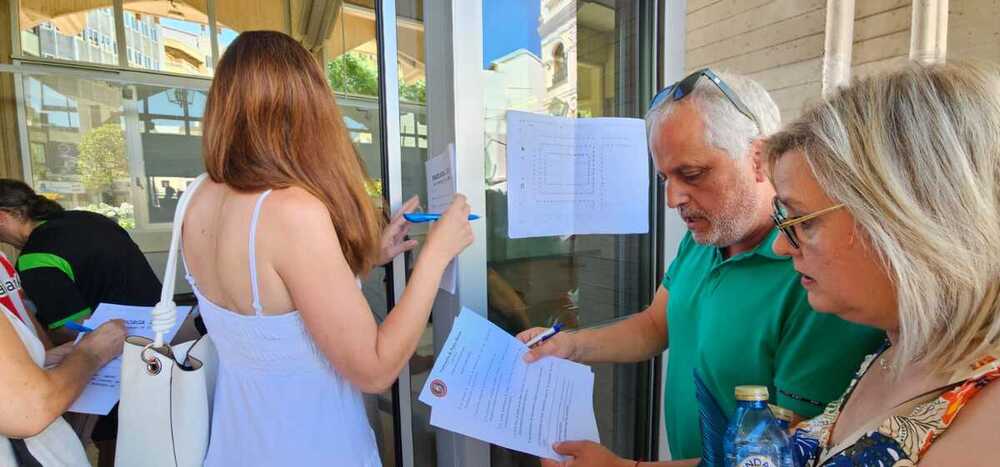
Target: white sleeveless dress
278,400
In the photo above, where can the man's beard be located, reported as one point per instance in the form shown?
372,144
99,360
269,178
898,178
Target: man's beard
732,222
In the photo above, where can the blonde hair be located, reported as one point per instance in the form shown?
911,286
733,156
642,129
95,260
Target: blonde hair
915,157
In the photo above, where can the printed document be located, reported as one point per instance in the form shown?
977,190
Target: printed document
104,389
441,189
481,388
576,175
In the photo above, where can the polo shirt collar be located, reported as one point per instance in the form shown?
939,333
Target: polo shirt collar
764,249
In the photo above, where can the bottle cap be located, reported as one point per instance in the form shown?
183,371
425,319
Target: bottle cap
751,393
781,413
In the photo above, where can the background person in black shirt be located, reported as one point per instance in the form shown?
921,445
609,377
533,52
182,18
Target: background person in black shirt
70,261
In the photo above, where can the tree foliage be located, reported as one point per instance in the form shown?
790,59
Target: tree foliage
352,73
102,157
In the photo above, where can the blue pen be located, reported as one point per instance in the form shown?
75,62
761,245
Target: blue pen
419,217
545,335
74,326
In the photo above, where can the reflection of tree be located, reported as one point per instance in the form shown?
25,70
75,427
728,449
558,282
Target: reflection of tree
102,159
352,73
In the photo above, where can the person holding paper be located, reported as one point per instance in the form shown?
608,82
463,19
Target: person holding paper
71,261
275,241
37,386
729,306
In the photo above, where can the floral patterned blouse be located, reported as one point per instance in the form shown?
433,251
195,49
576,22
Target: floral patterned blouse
901,439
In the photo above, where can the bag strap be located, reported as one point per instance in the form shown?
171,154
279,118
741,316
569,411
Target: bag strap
165,312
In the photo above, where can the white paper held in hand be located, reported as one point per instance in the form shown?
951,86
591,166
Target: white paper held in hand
481,387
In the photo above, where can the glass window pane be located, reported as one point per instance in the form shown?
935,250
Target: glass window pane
352,69
77,31
570,58
89,151
168,35
412,72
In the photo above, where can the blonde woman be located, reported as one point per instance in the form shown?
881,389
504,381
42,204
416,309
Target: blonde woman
888,194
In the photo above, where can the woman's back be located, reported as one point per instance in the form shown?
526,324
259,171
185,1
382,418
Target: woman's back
278,399
292,361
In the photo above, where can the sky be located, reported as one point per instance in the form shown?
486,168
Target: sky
509,25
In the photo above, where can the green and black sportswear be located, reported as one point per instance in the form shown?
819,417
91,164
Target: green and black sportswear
78,259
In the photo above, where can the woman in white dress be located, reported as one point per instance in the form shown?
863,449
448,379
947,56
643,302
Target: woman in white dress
36,386
274,242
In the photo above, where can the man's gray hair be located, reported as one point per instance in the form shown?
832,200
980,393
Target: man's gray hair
725,127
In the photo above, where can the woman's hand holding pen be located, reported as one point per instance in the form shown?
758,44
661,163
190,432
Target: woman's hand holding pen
452,233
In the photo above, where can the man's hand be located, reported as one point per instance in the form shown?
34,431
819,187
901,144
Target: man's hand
586,454
561,345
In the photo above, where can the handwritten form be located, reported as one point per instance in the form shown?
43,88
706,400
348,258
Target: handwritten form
441,189
481,388
576,175
104,389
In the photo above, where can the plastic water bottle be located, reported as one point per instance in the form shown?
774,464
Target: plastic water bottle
754,437
782,415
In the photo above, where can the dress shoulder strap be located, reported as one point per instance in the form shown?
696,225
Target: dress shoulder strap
254,288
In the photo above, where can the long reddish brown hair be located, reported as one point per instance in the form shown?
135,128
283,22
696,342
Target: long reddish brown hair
271,122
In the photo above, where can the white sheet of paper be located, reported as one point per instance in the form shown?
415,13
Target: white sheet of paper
104,389
576,175
441,187
480,387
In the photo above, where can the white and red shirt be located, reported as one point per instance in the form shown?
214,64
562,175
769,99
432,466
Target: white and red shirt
11,292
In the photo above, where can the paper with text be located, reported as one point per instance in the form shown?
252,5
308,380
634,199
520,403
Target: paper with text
104,389
480,387
576,175
441,189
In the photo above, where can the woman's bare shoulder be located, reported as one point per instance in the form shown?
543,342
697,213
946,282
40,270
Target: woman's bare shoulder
296,211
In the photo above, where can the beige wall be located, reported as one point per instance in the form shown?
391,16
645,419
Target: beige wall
974,30
881,35
779,43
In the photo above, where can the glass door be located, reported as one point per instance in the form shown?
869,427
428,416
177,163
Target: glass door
577,59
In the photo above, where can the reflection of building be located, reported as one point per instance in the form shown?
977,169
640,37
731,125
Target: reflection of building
557,28
515,81
86,36
153,41
578,52
186,52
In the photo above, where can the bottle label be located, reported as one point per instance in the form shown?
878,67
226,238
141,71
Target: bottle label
756,461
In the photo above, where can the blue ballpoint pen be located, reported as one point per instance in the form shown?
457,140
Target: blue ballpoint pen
419,217
74,326
545,335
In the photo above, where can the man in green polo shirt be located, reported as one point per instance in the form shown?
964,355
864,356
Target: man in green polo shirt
729,307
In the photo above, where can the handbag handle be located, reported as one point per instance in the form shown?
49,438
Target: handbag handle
165,312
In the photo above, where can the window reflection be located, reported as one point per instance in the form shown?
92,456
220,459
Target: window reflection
560,57
50,30
88,151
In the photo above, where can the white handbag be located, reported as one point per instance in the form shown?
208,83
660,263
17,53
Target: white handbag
165,412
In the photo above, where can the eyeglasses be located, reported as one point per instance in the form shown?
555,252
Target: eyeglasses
683,88
787,224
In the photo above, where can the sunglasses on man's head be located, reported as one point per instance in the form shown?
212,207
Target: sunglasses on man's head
683,88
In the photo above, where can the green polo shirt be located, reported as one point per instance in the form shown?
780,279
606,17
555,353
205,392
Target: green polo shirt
746,320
